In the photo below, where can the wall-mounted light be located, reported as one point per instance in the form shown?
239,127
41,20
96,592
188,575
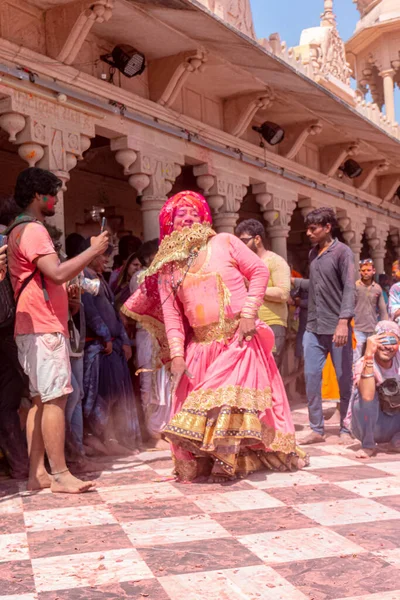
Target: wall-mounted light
129,61
272,133
351,168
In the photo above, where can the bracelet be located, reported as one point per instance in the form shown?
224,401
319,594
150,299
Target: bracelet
365,376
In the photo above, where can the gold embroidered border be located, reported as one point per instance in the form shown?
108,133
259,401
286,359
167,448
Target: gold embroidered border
216,332
232,395
156,330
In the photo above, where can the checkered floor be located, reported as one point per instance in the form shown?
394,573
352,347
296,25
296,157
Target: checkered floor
331,531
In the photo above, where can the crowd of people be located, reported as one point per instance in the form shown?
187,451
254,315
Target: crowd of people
185,340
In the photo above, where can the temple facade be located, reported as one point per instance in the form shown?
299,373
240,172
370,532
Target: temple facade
124,144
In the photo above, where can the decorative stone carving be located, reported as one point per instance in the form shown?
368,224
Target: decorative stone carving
239,112
365,6
31,152
174,72
126,158
371,170
388,186
235,12
333,156
12,123
296,137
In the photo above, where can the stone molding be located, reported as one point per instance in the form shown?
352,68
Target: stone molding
297,136
239,112
334,156
174,73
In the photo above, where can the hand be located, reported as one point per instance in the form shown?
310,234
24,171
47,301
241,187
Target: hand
247,330
341,334
73,290
297,301
127,351
290,301
100,243
74,305
374,343
3,262
108,348
178,370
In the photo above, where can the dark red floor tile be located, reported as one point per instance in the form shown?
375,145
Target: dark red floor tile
329,578
16,577
155,509
161,463
303,494
259,521
136,590
191,557
372,536
8,488
391,501
336,474
76,540
12,523
46,501
315,450
131,478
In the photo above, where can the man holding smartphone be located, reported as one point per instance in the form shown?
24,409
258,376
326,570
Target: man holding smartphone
41,325
375,414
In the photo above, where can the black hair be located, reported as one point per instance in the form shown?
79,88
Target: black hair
253,228
9,209
322,216
147,249
34,181
74,244
127,245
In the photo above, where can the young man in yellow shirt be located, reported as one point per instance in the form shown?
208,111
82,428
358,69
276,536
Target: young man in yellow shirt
274,311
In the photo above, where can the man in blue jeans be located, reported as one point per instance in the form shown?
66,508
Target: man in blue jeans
331,301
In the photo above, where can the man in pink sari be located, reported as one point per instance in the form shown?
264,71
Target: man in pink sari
230,414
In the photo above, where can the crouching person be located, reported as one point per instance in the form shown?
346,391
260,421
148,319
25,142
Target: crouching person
376,397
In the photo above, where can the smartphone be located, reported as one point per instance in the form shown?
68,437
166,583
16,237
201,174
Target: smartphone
103,224
3,240
390,340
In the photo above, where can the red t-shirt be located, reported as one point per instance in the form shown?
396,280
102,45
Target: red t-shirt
34,315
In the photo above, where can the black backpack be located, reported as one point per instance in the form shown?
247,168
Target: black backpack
8,304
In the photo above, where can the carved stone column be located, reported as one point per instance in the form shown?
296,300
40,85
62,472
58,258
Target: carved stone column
377,235
352,226
50,135
152,175
224,192
388,91
277,206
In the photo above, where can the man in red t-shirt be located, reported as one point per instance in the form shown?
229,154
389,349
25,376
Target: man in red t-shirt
41,326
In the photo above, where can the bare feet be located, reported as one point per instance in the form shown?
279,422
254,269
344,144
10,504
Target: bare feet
65,483
115,449
38,482
312,438
345,439
95,444
365,452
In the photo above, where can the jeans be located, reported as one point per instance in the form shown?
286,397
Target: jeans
280,339
361,338
370,425
12,382
73,410
316,348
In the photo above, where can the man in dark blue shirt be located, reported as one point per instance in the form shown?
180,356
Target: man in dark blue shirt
331,304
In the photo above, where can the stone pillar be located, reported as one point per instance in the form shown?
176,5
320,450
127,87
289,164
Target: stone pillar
49,135
224,192
388,91
277,206
152,174
395,237
352,226
377,235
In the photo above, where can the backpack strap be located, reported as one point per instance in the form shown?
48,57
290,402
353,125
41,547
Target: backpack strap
23,220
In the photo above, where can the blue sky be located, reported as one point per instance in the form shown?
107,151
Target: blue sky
290,17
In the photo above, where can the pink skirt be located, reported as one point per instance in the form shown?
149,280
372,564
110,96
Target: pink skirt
233,416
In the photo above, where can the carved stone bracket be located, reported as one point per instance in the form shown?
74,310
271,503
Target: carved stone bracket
225,192
172,73
296,137
152,174
239,112
78,18
333,156
388,186
371,170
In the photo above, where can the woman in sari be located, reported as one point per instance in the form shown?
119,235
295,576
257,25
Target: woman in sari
121,292
230,414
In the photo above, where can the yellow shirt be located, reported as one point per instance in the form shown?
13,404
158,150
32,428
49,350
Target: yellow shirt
274,310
